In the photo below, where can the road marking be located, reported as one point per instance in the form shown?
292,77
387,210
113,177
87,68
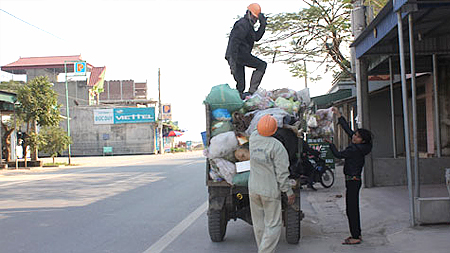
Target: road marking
86,170
51,176
168,238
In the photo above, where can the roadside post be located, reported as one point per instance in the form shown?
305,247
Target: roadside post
79,68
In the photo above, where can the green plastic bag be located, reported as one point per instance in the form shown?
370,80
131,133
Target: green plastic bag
241,179
219,127
222,96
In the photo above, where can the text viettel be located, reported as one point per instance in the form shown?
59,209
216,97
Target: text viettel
134,117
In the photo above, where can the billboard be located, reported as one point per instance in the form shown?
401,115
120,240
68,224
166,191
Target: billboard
103,116
124,115
166,112
80,68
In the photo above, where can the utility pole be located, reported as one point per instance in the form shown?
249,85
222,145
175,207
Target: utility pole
67,110
160,125
306,74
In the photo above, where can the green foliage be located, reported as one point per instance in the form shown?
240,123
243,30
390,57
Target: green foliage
11,86
174,150
316,34
320,34
38,101
53,140
34,140
376,5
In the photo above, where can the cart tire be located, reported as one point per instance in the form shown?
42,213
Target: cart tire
292,225
327,178
217,224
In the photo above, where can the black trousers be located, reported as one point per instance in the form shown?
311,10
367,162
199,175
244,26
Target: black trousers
352,203
248,60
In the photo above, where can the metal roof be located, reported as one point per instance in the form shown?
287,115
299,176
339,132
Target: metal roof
48,62
327,100
96,75
8,97
431,22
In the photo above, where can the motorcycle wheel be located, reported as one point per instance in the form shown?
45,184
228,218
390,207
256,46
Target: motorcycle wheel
327,178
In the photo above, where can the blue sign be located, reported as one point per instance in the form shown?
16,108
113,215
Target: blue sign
134,115
80,68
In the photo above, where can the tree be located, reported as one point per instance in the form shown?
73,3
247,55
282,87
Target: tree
38,105
7,129
53,140
320,33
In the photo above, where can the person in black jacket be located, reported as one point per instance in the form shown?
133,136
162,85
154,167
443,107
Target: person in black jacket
240,45
353,156
298,166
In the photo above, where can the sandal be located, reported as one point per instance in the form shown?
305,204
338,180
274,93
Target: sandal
359,237
351,241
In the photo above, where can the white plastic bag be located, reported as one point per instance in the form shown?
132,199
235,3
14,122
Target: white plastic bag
277,113
227,169
303,97
221,145
320,124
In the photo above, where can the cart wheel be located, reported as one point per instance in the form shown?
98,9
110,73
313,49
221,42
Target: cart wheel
293,224
217,224
327,178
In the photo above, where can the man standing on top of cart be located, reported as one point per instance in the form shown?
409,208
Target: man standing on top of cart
269,163
240,45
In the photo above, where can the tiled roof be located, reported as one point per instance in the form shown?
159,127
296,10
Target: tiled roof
96,75
56,62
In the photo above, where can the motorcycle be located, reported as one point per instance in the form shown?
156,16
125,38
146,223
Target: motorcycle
319,172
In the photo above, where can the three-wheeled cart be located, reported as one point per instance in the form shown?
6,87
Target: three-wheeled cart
228,202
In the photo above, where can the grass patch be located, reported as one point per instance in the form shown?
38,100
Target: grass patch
174,150
55,164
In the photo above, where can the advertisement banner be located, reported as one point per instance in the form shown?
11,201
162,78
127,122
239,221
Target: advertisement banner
124,115
80,68
134,115
167,112
103,116
320,145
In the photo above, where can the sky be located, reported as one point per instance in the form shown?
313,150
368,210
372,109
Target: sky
186,40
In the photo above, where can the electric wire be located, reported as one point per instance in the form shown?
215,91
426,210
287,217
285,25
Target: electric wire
31,24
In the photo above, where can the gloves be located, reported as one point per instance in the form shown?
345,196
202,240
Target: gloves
262,19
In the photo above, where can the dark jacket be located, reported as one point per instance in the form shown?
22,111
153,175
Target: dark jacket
290,143
242,38
354,154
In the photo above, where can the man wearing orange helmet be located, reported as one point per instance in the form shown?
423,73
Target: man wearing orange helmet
269,174
240,45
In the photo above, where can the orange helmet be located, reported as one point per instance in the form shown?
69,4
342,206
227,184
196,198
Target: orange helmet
255,9
267,125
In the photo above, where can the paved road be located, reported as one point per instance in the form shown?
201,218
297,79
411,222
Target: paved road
126,205
157,204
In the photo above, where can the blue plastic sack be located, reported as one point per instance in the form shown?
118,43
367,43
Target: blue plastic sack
221,114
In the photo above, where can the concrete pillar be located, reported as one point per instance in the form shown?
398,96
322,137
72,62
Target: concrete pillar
391,88
405,116
362,100
362,85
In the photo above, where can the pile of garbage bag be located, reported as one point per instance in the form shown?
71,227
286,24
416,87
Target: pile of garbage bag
233,121
320,123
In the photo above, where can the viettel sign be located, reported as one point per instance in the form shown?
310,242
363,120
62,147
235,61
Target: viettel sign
124,115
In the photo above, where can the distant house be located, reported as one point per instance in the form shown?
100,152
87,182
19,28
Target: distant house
90,98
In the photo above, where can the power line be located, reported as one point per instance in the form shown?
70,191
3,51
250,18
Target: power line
31,24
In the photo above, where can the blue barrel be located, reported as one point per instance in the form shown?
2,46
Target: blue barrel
204,138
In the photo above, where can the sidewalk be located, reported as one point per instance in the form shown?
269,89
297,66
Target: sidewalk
97,161
384,219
